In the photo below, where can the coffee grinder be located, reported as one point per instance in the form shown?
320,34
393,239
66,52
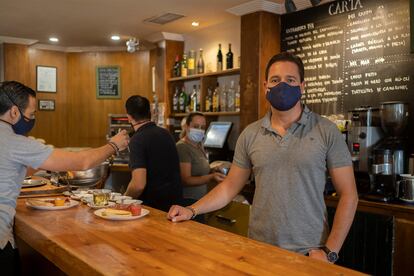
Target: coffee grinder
390,155
364,132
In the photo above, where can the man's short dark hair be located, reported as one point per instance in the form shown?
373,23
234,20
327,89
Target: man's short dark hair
138,107
14,93
191,116
285,56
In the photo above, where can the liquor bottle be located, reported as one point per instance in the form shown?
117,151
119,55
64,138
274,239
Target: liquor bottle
229,58
200,63
198,96
216,106
177,67
193,99
191,63
231,94
184,66
223,99
182,100
219,60
237,99
175,99
209,101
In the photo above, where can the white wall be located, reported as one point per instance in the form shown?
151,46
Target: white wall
209,38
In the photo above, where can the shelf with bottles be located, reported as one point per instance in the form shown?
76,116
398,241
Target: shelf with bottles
220,113
210,74
212,95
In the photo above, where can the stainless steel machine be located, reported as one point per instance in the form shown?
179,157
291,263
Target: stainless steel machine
364,133
390,155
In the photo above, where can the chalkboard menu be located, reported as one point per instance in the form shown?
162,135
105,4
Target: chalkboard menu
355,52
108,82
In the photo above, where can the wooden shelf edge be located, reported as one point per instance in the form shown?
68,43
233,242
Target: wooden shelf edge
235,113
197,76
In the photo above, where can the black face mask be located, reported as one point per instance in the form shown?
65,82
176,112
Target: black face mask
24,125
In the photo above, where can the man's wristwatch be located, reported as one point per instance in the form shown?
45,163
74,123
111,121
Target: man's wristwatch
193,211
331,255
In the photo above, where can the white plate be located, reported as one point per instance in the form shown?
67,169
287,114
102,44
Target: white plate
93,206
29,183
71,204
81,196
98,213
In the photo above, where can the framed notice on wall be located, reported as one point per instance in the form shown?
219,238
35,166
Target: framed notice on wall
108,82
46,77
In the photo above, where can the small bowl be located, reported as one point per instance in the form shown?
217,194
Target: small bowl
114,195
121,197
129,201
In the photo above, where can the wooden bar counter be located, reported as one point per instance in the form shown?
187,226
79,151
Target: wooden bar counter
79,243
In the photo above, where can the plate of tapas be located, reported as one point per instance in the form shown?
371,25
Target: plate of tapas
57,203
122,212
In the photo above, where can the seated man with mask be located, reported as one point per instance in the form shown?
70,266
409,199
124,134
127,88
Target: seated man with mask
17,152
153,159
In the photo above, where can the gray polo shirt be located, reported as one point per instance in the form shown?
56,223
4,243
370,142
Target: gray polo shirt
199,167
290,174
16,153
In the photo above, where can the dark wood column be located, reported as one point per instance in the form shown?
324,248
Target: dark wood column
260,40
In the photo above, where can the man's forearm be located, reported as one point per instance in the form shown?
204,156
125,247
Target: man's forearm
344,215
133,191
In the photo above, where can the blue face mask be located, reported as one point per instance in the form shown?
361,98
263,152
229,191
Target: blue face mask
283,96
196,135
24,125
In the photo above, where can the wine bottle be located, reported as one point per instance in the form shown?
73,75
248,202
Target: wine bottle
191,63
184,66
231,94
198,96
208,101
223,99
237,99
193,100
175,99
216,99
182,100
219,60
200,63
177,67
229,58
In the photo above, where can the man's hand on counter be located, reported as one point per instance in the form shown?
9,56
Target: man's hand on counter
179,213
318,254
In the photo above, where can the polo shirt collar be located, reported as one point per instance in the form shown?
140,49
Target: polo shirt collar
304,118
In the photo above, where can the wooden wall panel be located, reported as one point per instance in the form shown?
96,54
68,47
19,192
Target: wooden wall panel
50,125
87,115
16,63
260,40
80,119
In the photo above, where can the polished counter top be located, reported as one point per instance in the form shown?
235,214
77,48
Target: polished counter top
80,243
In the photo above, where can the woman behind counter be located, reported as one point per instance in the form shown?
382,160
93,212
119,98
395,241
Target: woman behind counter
194,166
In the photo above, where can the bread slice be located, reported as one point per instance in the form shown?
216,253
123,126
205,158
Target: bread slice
116,212
39,202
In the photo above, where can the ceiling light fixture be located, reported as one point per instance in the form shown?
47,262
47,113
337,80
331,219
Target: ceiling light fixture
290,6
315,2
115,37
195,24
132,45
54,39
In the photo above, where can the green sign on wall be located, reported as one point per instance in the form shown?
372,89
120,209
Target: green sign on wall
108,82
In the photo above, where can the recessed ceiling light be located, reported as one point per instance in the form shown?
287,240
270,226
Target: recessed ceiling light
54,39
195,24
115,37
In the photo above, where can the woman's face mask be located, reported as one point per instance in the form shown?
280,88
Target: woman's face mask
24,125
283,96
195,135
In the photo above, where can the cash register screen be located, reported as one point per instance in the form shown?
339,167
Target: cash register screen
216,134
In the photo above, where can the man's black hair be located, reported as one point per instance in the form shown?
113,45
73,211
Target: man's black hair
285,56
191,116
14,93
138,108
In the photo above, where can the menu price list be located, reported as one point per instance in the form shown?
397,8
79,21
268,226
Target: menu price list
355,52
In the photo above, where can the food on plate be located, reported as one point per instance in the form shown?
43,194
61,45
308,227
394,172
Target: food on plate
59,201
39,202
49,202
135,209
116,212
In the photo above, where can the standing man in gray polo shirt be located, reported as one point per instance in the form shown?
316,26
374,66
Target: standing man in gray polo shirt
17,152
289,152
